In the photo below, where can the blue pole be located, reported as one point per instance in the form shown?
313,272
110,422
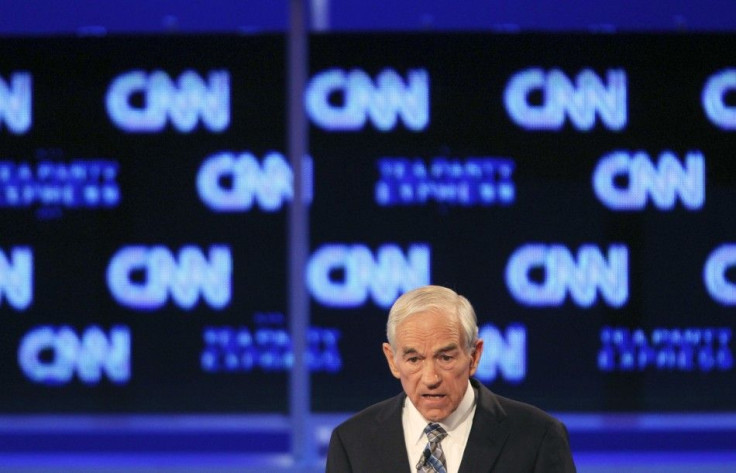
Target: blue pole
302,447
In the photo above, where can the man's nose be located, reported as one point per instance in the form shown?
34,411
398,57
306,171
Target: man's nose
430,376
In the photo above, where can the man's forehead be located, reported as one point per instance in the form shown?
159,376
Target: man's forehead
429,321
408,349
419,330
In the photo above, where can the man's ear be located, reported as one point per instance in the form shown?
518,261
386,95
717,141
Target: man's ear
475,356
389,353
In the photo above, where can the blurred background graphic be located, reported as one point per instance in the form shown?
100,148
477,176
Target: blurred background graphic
566,165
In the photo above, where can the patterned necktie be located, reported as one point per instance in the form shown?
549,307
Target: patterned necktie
433,458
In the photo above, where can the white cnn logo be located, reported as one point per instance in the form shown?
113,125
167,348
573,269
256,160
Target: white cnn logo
542,275
382,102
229,182
143,277
183,102
89,356
580,101
345,275
626,181
16,277
16,98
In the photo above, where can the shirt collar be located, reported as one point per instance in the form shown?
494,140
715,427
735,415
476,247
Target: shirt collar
417,422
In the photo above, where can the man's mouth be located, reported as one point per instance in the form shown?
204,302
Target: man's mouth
433,396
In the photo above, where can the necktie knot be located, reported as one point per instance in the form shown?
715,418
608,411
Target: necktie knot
435,433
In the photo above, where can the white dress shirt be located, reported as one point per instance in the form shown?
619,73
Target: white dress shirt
457,426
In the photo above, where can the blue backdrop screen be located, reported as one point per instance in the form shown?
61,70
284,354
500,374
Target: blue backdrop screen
578,189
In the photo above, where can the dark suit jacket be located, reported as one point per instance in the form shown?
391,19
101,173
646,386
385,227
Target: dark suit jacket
506,437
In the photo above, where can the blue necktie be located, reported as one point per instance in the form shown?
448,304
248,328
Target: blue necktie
433,458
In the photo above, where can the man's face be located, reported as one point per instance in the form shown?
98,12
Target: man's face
432,362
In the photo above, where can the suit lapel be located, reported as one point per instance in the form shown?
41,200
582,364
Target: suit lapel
389,438
488,433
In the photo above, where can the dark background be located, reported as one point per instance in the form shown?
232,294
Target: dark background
469,246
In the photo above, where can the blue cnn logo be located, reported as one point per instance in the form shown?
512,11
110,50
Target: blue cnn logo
581,100
381,102
52,356
144,278
341,275
543,275
183,102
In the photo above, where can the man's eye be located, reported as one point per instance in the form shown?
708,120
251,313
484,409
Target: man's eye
446,358
413,359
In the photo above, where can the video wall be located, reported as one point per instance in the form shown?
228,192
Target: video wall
577,188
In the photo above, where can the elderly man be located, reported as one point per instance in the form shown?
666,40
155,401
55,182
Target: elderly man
444,421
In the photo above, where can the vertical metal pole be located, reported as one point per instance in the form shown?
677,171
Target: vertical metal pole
302,446
320,15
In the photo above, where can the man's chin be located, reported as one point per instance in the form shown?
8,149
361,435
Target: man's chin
434,413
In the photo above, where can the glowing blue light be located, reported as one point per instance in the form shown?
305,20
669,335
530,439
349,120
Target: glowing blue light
184,103
383,276
383,102
89,357
720,288
702,349
75,184
502,355
663,183
472,181
16,277
269,186
580,101
229,349
184,279
16,102
583,279
713,98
